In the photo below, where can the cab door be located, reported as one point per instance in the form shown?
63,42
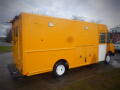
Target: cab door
102,49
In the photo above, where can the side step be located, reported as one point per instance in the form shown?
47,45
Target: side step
14,72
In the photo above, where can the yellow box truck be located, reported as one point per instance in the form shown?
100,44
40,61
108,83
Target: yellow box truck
43,44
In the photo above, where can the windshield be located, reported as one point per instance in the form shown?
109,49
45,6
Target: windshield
118,42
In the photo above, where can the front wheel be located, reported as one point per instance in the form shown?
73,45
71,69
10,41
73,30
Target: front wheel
107,59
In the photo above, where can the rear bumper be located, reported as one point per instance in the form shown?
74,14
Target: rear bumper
14,71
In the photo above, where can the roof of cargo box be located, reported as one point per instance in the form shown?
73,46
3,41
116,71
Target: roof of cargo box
102,27
59,18
16,17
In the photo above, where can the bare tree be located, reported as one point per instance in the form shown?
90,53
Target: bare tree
96,21
81,18
9,36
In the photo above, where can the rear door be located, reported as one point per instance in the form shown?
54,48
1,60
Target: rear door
17,44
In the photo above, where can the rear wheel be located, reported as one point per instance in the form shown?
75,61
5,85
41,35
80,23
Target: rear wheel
59,69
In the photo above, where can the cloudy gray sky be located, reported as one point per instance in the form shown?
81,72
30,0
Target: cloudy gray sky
106,11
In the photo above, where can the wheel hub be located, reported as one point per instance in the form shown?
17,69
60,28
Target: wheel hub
60,69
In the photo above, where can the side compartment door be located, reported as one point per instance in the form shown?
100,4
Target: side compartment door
80,60
91,54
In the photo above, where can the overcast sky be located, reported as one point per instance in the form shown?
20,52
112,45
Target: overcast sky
105,11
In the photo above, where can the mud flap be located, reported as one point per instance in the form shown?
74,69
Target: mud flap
14,72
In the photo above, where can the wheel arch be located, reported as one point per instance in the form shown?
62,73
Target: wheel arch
110,53
62,60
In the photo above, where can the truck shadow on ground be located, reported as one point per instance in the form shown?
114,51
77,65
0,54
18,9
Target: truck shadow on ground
47,81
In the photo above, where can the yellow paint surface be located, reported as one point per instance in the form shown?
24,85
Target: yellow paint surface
40,41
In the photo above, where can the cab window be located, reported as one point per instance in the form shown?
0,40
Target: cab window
102,38
108,37
117,43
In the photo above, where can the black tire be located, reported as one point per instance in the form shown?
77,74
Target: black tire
107,58
60,66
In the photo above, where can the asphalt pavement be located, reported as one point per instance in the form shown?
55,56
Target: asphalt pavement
5,44
47,81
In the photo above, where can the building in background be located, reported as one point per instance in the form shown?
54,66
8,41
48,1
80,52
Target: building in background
115,32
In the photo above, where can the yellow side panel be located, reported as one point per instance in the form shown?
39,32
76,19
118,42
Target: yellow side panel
44,45
91,54
39,62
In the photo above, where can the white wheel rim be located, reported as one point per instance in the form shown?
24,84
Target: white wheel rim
108,59
60,70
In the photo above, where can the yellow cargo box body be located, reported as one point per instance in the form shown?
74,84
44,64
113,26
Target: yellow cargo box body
41,41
